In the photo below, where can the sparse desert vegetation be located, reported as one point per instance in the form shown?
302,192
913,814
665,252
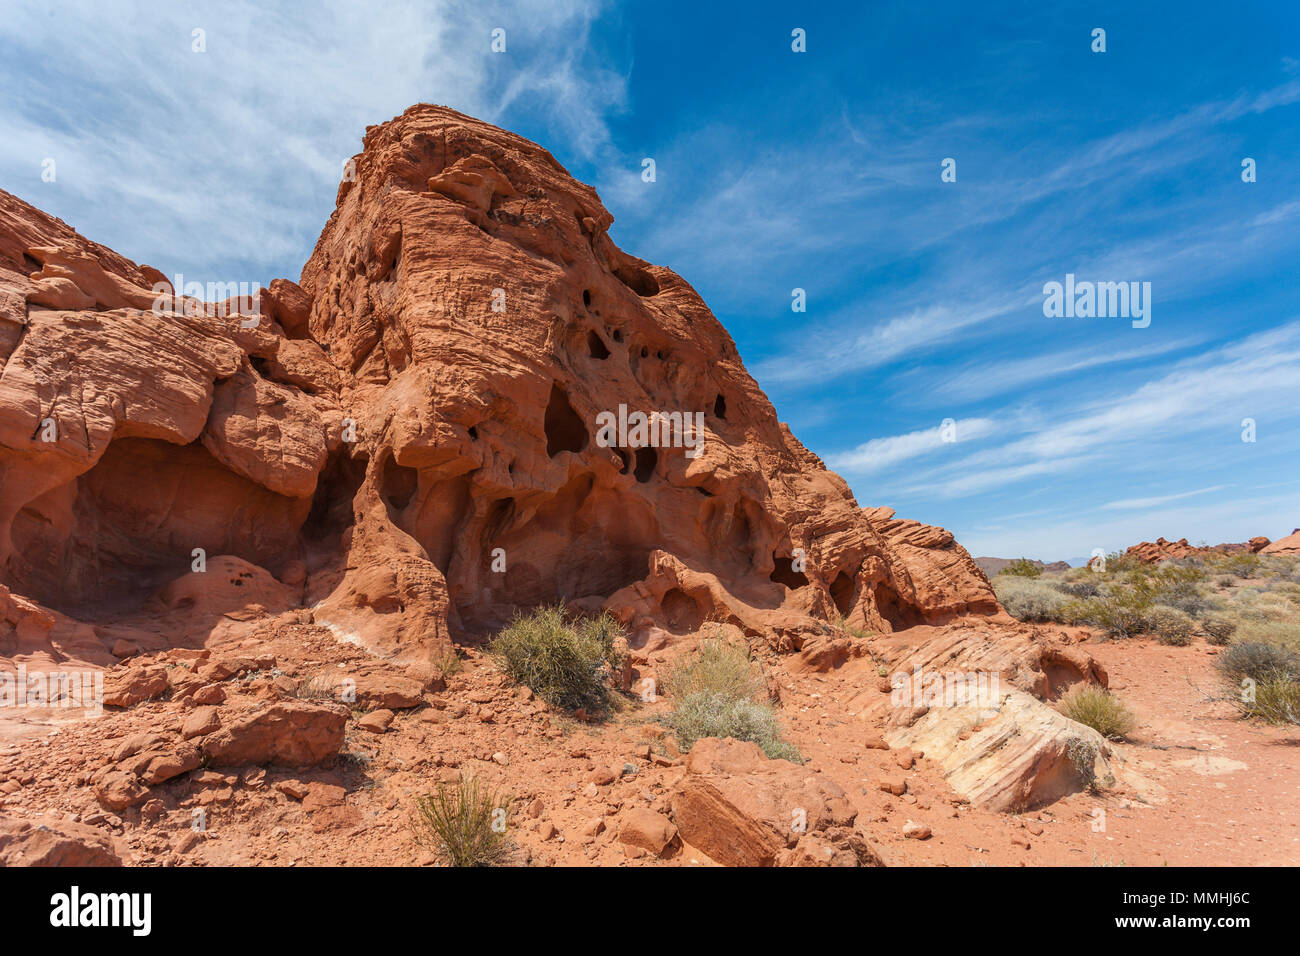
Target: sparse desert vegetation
565,661
464,823
1101,710
720,692
1249,604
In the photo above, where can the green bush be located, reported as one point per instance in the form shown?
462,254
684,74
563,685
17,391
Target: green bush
708,714
1101,710
1021,568
1119,612
1240,565
1029,599
1171,626
567,663
464,823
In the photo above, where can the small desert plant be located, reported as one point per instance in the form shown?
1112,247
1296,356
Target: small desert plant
1276,700
1218,629
1101,710
567,663
464,823
1022,568
1170,626
318,685
449,663
1083,755
842,624
719,668
708,714
1259,661
1027,599
720,692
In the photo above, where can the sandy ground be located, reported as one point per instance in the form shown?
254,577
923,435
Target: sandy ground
1201,786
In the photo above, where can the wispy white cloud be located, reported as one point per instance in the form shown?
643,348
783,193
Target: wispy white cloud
1253,377
882,453
1131,504
985,379
230,158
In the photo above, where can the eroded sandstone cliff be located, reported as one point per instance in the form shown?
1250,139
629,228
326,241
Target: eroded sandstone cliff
418,412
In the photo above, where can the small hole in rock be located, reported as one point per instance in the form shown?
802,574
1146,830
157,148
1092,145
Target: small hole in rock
842,592
586,298
398,484
597,346
646,459
784,572
617,335
720,407
564,427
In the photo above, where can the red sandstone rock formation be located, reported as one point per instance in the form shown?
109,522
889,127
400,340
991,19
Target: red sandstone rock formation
1288,545
424,402
1153,552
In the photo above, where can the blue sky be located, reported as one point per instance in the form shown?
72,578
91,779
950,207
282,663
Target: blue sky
779,170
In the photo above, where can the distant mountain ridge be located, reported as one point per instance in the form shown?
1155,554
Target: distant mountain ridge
994,566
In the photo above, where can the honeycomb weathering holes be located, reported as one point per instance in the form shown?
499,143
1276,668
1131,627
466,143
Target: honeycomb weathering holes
565,429
783,572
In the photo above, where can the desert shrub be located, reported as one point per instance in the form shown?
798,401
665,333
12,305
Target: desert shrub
318,685
1240,565
1280,631
1083,753
1173,585
720,692
568,663
1119,612
1101,710
1027,599
1286,567
1225,581
1117,562
1276,700
464,823
709,714
1259,661
1078,588
1170,625
1218,628
1193,604
719,668
1290,591
448,662
1022,568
